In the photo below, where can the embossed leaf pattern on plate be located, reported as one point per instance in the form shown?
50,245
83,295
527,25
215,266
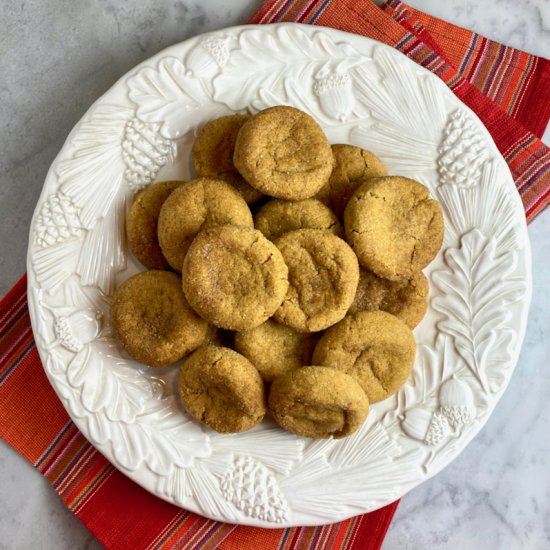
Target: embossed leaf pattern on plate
360,92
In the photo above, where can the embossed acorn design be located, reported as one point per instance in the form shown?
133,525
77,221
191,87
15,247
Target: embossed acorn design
457,402
335,94
144,152
425,426
78,329
462,153
206,58
252,489
57,222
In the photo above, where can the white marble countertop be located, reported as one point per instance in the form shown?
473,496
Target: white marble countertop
56,58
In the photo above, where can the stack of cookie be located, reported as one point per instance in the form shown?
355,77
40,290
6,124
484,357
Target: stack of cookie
318,287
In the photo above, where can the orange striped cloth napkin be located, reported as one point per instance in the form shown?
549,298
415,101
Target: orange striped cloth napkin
509,91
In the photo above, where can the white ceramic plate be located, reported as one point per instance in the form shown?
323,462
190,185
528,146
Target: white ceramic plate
141,131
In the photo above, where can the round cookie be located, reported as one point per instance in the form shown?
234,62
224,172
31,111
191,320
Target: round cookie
275,349
141,224
246,191
234,277
323,273
278,217
200,203
393,226
407,299
376,348
213,148
153,321
318,402
284,153
352,165
222,389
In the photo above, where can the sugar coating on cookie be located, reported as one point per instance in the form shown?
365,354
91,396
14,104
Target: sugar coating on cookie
318,402
222,389
234,277
352,166
213,148
141,224
406,299
153,321
200,203
323,273
394,227
275,349
376,348
278,217
284,153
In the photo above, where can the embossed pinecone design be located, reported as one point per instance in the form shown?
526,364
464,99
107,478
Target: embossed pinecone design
144,152
457,402
438,429
252,489
462,153
57,221
78,329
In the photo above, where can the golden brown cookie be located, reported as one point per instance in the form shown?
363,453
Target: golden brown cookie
201,203
213,148
376,348
275,349
284,153
141,224
394,227
234,277
278,217
222,388
352,167
323,273
406,299
153,321
246,191
318,402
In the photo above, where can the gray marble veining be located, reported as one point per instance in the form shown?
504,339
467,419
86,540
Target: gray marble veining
56,58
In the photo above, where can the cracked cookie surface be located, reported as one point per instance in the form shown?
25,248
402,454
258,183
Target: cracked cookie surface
376,348
318,402
323,274
198,204
141,224
406,299
234,277
352,166
278,217
153,321
394,227
222,389
284,153
275,349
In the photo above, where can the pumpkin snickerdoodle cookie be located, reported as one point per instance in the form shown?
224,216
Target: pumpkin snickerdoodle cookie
234,277
198,204
406,299
352,166
318,402
275,349
153,321
283,153
278,217
221,388
323,273
141,224
376,348
393,226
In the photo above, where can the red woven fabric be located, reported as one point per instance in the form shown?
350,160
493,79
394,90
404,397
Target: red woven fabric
508,90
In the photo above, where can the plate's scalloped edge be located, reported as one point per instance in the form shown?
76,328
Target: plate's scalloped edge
144,476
